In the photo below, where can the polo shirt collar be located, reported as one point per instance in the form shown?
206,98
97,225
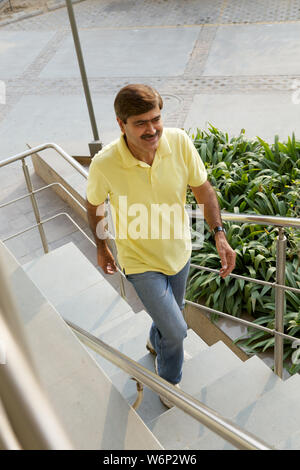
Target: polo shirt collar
128,160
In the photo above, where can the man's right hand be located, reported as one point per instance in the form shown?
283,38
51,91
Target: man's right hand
106,260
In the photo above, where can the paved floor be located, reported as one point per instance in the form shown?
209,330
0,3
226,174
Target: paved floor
229,62
210,60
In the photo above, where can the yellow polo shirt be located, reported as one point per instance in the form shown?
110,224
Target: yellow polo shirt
148,202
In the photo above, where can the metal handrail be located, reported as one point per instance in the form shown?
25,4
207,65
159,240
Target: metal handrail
31,415
40,148
187,403
276,221
247,323
41,222
56,183
8,439
28,420
246,278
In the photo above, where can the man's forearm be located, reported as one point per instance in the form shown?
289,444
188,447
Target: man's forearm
96,218
206,196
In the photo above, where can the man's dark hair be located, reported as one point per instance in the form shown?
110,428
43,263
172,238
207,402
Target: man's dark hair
136,99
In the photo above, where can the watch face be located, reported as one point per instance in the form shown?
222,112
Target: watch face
219,229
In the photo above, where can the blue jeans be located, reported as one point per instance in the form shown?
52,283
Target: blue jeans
163,298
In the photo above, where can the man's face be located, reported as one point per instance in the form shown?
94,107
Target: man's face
143,131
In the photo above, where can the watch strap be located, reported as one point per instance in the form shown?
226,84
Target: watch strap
219,228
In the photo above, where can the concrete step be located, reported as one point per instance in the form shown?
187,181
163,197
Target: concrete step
92,411
272,417
227,395
135,346
151,406
275,417
62,273
193,344
128,328
96,309
77,289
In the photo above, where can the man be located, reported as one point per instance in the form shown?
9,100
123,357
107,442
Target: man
146,173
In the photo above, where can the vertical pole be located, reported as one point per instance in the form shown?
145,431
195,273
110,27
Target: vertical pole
280,303
96,145
35,206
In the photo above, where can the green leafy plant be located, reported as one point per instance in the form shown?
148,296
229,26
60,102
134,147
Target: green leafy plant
257,178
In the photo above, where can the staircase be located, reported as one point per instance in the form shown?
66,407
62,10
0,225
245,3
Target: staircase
92,397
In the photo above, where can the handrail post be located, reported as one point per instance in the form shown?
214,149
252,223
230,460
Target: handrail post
96,145
280,303
35,206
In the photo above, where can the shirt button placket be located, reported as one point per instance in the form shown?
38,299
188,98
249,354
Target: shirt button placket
150,175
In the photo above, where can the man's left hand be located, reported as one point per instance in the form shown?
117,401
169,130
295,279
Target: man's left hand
226,253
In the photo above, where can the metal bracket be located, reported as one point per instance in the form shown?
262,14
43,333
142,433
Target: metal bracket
140,394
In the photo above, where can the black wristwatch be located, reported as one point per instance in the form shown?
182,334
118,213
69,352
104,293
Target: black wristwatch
219,229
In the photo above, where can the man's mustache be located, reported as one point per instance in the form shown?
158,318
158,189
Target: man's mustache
149,136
